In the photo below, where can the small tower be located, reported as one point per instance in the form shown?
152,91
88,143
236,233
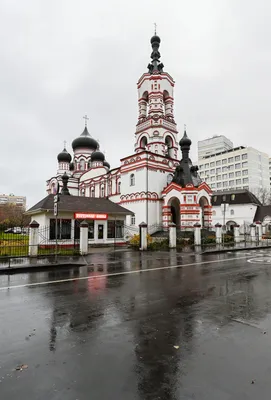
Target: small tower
156,130
64,158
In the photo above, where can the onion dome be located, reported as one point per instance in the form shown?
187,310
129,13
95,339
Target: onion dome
106,164
155,39
185,141
97,156
64,156
85,140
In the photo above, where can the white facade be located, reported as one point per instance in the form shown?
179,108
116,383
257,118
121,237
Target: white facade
240,214
213,145
239,168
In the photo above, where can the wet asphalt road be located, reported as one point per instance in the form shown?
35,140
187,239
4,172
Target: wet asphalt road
198,331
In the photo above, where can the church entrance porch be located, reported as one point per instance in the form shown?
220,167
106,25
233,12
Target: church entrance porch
175,211
205,212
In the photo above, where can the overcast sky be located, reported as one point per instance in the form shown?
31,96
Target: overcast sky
62,59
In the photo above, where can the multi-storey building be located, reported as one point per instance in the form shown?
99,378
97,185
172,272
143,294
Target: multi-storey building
238,168
19,201
213,145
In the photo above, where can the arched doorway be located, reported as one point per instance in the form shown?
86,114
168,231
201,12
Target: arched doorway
175,211
204,219
230,226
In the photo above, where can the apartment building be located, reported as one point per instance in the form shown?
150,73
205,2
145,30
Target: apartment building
237,168
213,145
19,201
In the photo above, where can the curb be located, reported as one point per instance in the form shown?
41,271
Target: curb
235,249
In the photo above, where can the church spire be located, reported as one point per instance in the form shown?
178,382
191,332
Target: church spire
155,66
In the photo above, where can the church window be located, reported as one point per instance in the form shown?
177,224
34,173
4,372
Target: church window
92,192
102,191
143,142
82,192
82,164
109,188
132,180
232,212
119,186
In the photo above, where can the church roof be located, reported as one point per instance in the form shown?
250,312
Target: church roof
79,204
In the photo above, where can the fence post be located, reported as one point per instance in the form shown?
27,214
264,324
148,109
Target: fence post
253,232
218,233
172,235
264,229
259,229
33,239
84,238
236,231
197,234
143,236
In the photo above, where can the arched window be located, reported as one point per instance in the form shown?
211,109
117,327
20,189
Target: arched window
119,186
82,192
132,180
143,142
232,212
102,191
92,192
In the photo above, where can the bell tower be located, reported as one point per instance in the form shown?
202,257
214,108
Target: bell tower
156,130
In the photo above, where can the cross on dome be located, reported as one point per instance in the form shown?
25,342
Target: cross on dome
85,117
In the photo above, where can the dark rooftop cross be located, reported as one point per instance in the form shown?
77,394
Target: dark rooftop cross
85,117
65,144
155,27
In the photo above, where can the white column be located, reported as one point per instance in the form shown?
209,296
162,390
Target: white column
143,236
33,239
259,229
253,232
197,234
84,238
172,235
236,231
218,233
264,229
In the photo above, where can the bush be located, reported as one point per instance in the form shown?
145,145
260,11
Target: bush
161,245
135,241
209,240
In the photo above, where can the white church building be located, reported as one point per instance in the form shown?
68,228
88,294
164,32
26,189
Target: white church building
152,182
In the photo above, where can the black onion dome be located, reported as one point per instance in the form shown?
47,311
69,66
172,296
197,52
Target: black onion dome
106,164
64,156
155,39
85,140
97,156
185,141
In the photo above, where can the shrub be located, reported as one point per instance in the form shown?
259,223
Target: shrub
161,245
135,241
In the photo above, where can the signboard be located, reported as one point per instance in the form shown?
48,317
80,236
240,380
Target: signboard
55,209
97,216
56,198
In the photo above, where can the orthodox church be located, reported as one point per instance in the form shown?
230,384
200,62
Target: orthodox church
152,183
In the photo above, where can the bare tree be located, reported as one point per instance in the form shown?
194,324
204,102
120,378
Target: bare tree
12,215
263,195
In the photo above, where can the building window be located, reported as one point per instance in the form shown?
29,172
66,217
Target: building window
224,169
244,164
132,180
245,180
230,160
218,177
225,184
82,192
206,165
237,158
219,185
90,229
133,221
212,164
245,172
63,229
207,172
231,175
224,176
224,161
231,183
119,186
215,198
212,171
237,166
231,167
232,212
218,170
92,192
82,165
244,156
238,173
218,162
109,188
102,191
213,185
238,181
212,178
224,198
233,197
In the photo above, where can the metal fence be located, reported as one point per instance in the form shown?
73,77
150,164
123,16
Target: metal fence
14,241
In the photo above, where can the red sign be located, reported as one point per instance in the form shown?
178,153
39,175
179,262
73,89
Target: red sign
79,215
